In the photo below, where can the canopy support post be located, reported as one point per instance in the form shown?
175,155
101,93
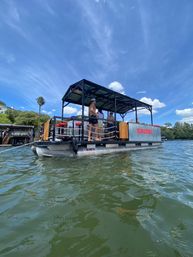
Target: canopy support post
115,116
115,109
122,116
136,115
151,116
82,111
62,110
54,129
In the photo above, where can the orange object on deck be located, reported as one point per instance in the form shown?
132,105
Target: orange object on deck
123,130
46,130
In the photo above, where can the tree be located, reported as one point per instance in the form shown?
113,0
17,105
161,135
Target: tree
167,132
2,103
12,114
26,118
30,118
178,131
4,119
41,102
187,131
168,124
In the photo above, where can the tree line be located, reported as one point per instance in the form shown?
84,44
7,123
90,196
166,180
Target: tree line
19,117
22,117
178,131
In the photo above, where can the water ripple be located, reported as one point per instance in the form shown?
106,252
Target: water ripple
98,206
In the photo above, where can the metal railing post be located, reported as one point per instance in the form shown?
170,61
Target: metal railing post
83,112
54,127
151,116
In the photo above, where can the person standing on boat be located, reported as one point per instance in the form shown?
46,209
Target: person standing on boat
93,121
100,123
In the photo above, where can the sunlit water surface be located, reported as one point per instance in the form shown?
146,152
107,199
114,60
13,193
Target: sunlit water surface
134,204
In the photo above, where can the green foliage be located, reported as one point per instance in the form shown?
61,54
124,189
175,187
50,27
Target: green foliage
2,103
12,114
168,124
167,132
24,117
44,118
179,131
40,101
30,118
4,119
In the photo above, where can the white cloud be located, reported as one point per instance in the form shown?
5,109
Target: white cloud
186,114
10,58
116,86
37,80
70,110
7,57
13,11
146,112
45,5
46,112
98,1
44,82
142,92
100,30
12,17
156,104
145,23
85,111
187,120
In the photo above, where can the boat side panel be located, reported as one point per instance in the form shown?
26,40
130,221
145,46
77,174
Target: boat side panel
144,133
58,151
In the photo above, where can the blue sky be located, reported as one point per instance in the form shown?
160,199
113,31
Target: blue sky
144,47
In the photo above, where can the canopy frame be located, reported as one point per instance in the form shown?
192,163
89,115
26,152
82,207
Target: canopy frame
83,91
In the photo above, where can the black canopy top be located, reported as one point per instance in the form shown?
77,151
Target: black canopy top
106,99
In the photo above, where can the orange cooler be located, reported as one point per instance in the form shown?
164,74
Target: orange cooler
123,130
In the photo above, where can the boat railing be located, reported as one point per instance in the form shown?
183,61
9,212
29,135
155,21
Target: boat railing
72,128
104,133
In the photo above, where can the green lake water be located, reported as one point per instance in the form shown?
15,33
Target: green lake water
134,204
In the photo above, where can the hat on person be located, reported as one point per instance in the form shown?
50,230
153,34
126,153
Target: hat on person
93,100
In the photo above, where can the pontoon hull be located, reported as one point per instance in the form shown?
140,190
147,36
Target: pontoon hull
67,150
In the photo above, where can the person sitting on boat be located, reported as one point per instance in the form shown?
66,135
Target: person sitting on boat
6,132
110,125
93,121
5,139
100,123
